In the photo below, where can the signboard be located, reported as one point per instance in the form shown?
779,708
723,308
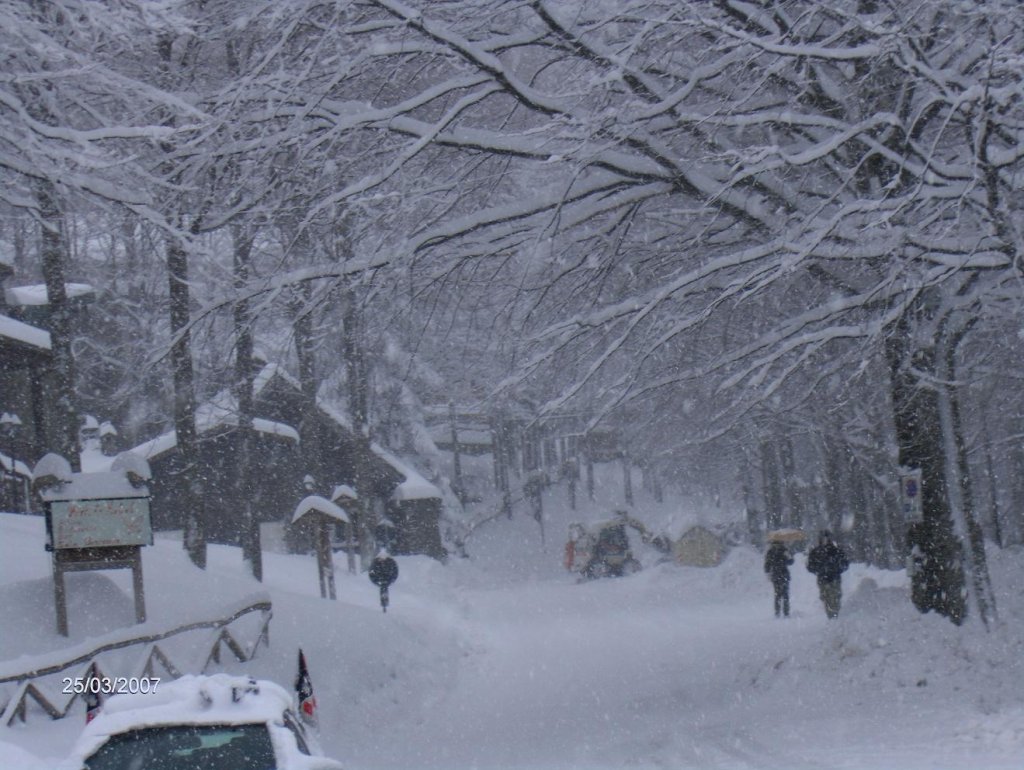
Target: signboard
100,523
910,494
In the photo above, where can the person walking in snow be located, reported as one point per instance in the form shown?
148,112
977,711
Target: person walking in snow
776,565
827,561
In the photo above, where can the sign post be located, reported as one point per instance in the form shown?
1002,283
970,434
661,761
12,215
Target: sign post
383,572
910,494
323,514
97,521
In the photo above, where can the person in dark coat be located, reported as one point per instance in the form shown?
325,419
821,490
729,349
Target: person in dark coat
827,561
776,564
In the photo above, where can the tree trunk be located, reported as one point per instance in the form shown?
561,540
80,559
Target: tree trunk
19,232
859,534
627,480
358,386
244,376
63,433
939,580
1017,475
590,473
185,403
877,547
502,443
993,489
833,492
457,482
300,535
980,579
753,516
772,490
790,484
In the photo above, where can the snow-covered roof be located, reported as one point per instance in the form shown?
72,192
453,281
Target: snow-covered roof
267,373
129,462
51,464
221,410
20,296
105,485
273,428
415,487
208,417
334,413
157,446
23,333
317,504
19,467
344,491
469,436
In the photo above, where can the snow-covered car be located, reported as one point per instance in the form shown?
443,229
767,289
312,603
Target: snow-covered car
217,722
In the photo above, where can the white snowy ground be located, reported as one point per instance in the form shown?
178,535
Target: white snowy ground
504,661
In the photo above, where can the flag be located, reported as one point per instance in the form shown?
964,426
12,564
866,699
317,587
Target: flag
304,690
92,706
91,695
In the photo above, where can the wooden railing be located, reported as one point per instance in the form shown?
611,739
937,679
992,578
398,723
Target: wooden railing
98,659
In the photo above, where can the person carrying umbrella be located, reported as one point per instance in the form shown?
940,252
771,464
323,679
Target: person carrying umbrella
776,565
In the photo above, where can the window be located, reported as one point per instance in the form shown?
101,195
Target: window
187,747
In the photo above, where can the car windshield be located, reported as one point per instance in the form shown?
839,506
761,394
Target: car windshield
187,747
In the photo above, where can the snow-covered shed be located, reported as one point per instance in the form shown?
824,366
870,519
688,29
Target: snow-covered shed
25,359
31,303
277,396
15,484
275,487
390,486
415,510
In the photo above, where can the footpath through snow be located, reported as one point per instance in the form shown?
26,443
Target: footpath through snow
504,661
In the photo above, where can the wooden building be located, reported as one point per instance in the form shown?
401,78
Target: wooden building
392,488
25,359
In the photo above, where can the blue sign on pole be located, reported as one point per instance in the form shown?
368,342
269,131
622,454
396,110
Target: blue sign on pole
910,493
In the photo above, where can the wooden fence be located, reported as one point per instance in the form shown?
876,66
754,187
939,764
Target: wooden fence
106,660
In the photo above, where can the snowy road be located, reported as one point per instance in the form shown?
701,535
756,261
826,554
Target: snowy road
669,668
680,668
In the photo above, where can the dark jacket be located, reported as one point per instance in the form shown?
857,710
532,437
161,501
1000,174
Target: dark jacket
827,561
776,563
